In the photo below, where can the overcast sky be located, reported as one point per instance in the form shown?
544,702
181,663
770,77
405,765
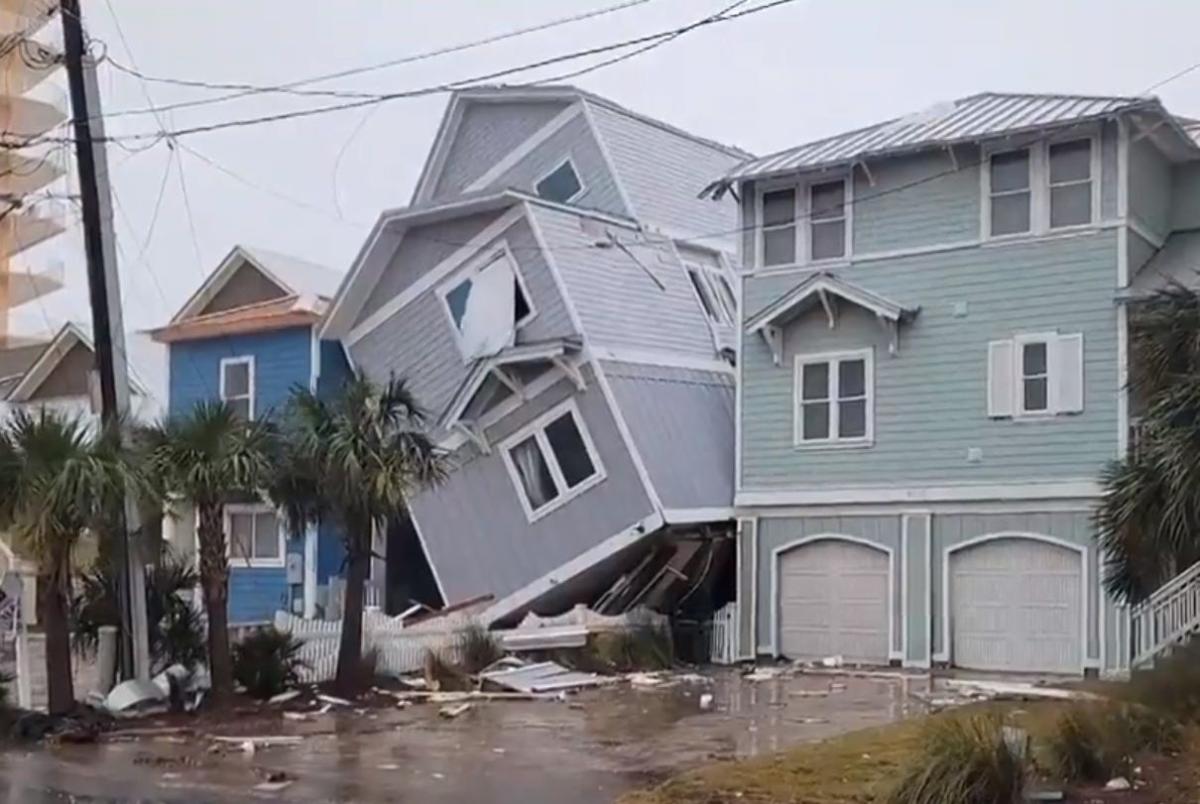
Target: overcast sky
312,187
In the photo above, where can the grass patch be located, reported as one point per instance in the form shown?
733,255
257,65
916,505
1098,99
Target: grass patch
478,648
1172,686
968,759
443,675
1096,742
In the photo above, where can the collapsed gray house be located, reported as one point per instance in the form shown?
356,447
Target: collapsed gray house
562,304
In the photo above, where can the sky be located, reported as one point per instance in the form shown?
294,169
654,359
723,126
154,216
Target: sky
313,186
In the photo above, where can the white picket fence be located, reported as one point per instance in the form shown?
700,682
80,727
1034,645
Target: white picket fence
399,649
723,635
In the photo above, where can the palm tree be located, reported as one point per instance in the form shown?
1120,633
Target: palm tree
206,458
59,478
355,457
1149,520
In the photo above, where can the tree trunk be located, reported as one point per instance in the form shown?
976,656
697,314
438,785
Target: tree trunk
214,580
52,602
350,650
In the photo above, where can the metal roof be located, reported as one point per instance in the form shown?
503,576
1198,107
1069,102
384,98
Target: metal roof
987,114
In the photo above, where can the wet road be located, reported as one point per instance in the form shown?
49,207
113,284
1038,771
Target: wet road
586,751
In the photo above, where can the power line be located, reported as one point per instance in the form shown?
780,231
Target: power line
242,90
468,83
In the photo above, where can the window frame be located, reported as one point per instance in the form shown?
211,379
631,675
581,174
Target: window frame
709,276
251,393
537,429
1020,341
472,268
833,359
1039,185
253,510
569,160
803,222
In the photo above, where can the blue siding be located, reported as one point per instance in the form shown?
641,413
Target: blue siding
282,360
331,551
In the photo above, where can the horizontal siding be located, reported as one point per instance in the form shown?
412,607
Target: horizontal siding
1185,196
930,399
619,305
1071,527
906,208
420,250
475,530
577,141
776,532
486,133
418,344
256,593
282,360
663,173
1149,186
682,423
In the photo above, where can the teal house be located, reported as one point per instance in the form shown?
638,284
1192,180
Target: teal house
933,362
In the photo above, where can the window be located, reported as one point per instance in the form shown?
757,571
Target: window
471,300
237,385
552,461
714,293
254,535
561,184
1011,197
779,227
1041,188
1070,183
1035,375
827,220
834,405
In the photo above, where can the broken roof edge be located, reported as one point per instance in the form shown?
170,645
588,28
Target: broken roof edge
826,282
716,189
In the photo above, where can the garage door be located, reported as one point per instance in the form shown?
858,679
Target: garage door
1016,604
833,600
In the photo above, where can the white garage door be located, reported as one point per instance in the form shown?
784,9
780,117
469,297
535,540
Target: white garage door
833,600
1016,604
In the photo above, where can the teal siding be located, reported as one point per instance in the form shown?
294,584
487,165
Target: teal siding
1073,527
776,532
930,399
906,208
915,570
1150,186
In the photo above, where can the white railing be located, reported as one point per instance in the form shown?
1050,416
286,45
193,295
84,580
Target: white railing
723,636
1167,617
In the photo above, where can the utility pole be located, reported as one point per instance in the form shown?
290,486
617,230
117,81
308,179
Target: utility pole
104,290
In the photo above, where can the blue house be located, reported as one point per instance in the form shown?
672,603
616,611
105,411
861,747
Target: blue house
248,336
934,353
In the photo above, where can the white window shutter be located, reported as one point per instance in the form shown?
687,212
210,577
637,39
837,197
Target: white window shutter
1001,384
1066,378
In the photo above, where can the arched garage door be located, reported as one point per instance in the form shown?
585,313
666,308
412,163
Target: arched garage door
1017,604
833,600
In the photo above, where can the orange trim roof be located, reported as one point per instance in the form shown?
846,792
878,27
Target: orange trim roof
290,311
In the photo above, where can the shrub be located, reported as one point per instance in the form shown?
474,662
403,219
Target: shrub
1094,743
267,662
477,648
1172,685
5,695
642,647
442,674
967,760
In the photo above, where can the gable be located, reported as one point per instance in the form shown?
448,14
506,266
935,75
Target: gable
248,285
70,378
486,132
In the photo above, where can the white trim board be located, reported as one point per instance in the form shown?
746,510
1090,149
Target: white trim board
665,359
535,589
1049,490
514,157
947,652
936,508
689,516
778,552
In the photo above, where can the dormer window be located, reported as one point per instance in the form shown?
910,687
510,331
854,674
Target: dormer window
561,184
714,293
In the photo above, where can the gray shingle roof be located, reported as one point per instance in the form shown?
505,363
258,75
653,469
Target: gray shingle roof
987,114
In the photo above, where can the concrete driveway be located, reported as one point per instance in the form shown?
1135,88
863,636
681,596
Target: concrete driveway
587,750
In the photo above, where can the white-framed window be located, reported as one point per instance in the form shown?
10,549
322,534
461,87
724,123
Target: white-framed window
835,399
471,298
714,293
1035,375
805,223
237,385
254,535
1045,187
552,460
562,184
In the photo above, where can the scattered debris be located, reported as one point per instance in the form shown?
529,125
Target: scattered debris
1119,783
837,686
542,677
809,693
1016,691
284,697
809,720
452,711
388,766
646,679
295,716
136,696
258,742
763,674
833,661
706,701
332,700
273,787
